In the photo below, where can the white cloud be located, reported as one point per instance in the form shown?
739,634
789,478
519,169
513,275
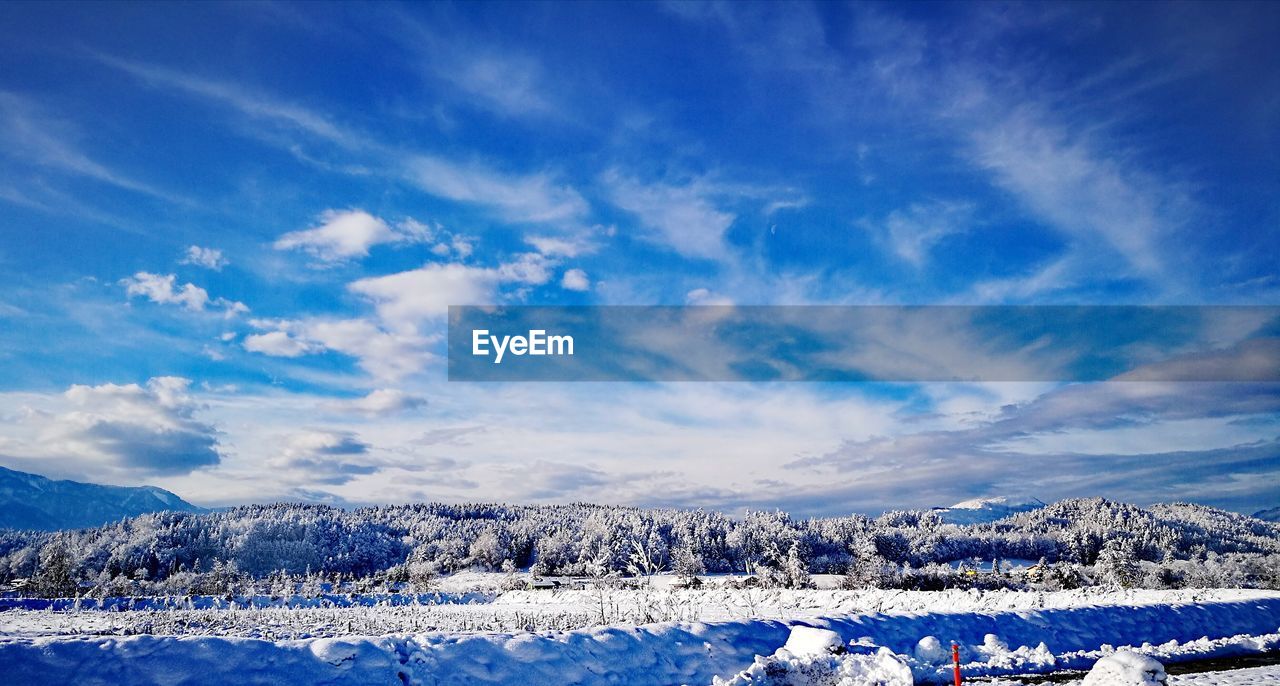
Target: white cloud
163,289
276,344
914,231
494,77
426,293
1082,189
530,269
575,280
705,296
557,246
159,288
508,84
344,234
384,354
534,198
324,457
383,401
129,429
682,218
209,258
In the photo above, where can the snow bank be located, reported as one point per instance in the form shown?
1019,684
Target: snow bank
1066,638
1126,668
650,655
817,657
882,668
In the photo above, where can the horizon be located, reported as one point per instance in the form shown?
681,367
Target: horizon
232,233
1015,502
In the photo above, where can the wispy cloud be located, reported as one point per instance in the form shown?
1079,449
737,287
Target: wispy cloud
531,198
36,136
913,232
492,76
254,104
683,218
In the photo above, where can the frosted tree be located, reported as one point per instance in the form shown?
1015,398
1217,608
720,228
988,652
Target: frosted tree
866,567
796,569
1117,565
643,561
687,564
56,576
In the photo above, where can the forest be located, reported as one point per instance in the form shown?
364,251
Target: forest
1076,542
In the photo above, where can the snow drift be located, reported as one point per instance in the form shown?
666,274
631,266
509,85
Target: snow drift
650,655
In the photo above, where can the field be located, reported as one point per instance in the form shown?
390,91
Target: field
651,634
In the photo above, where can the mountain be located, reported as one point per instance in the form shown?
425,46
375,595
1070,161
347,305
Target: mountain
1268,515
983,510
31,501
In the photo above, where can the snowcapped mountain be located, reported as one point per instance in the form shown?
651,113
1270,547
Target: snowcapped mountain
1268,515
983,510
31,501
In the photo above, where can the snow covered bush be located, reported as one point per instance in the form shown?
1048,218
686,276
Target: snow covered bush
1126,668
817,657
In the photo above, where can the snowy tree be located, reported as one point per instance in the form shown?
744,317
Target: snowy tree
796,569
55,577
1117,565
866,567
687,564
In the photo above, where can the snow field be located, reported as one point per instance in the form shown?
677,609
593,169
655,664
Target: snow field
717,604
658,654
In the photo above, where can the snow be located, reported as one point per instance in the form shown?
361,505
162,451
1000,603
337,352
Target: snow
1252,676
929,650
1126,668
983,510
994,643
881,668
807,641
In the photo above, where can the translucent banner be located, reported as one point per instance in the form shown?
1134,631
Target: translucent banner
865,343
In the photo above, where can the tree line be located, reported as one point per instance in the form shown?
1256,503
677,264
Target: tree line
1078,541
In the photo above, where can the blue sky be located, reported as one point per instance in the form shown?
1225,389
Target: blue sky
229,233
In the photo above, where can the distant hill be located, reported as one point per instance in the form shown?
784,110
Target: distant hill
31,501
1268,515
983,510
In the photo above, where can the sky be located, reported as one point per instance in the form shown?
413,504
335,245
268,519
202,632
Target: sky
230,233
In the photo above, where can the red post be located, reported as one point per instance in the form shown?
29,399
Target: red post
955,658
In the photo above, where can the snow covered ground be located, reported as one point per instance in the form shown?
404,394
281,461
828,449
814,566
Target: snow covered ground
466,607
1249,676
1254,676
1000,633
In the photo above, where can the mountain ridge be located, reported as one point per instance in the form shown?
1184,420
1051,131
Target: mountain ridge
34,502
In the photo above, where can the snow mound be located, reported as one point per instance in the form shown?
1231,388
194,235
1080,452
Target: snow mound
806,641
1126,668
930,651
881,668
